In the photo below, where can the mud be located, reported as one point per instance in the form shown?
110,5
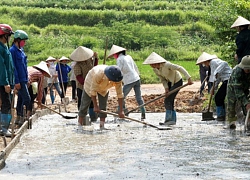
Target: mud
55,149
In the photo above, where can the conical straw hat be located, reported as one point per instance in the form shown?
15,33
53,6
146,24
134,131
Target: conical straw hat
154,58
240,21
64,58
81,54
115,49
51,59
42,66
205,57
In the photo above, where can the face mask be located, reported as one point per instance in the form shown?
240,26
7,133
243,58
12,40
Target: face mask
22,43
51,63
203,65
115,56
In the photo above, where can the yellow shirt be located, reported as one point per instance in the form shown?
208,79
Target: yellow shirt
97,82
169,72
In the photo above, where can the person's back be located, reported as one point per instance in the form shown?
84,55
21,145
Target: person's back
243,43
129,69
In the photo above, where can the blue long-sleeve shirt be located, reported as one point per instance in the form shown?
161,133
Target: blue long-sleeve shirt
20,64
65,69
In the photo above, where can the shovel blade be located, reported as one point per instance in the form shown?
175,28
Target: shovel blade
207,116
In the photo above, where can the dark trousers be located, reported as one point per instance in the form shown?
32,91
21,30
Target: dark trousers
79,96
169,101
6,101
45,92
73,85
63,88
221,95
32,97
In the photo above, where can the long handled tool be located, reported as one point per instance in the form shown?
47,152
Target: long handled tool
64,116
105,52
142,122
208,116
195,95
246,122
170,92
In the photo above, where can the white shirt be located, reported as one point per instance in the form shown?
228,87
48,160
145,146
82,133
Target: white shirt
72,73
221,69
52,70
128,68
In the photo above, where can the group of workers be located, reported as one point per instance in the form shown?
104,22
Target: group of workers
93,81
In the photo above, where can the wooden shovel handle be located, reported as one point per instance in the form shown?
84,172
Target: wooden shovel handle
163,95
132,119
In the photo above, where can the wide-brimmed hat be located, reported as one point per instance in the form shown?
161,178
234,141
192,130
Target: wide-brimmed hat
240,21
50,58
64,58
205,57
154,58
245,62
81,54
42,66
113,73
115,49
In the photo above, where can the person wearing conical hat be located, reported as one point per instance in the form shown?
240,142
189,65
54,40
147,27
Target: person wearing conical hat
220,73
85,60
238,91
21,73
63,70
6,79
242,40
131,79
170,76
53,81
36,74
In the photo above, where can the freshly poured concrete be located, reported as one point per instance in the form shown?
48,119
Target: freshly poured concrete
55,149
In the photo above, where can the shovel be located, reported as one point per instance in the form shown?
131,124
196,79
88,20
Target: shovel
170,92
192,101
142,122
208,116
64,116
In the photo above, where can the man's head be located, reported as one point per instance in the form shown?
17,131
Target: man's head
245,64
113,73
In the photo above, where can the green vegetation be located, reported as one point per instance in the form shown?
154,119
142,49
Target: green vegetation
178,30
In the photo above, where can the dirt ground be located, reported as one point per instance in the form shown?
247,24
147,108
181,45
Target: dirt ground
187,101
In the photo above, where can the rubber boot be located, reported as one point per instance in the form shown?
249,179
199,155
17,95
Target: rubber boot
174,117
220,113
168,118
143,115
92,115
5,123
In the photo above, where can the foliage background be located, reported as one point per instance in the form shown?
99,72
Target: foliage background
178,30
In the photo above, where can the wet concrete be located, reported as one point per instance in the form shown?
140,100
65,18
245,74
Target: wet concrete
55,149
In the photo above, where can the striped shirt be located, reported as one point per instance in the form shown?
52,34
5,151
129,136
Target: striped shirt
35,75
82,68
